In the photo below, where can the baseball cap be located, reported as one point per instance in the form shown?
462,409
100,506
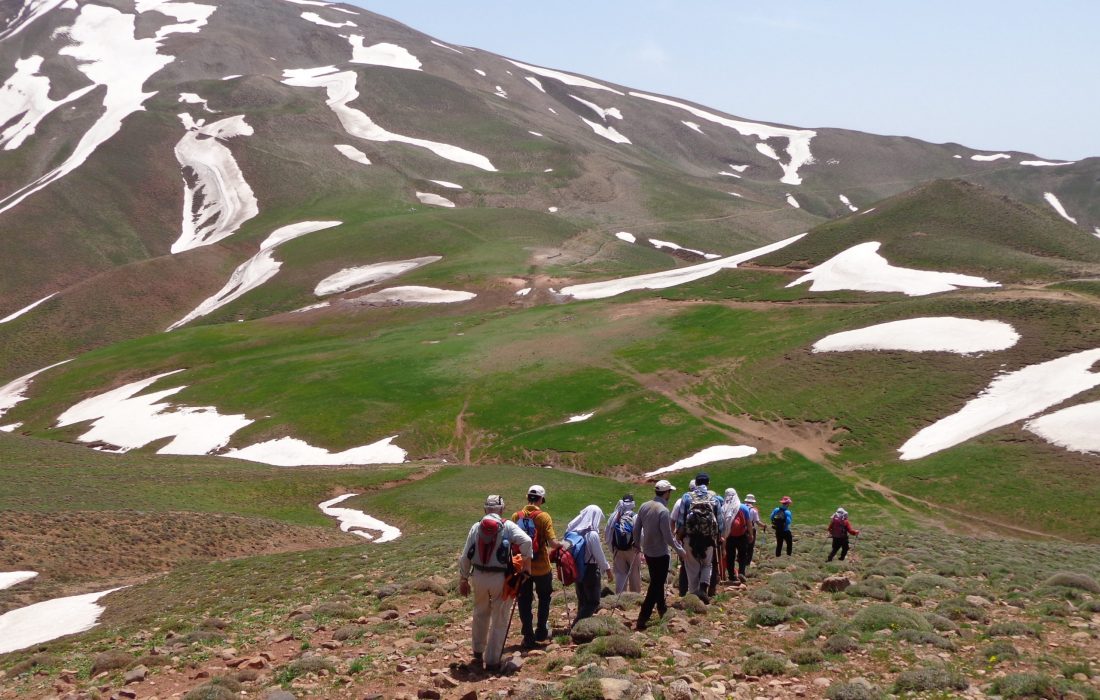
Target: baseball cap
494,501
628,498
536,490
750,498
663,485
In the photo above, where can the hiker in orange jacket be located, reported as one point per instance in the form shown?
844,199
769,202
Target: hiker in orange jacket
839,529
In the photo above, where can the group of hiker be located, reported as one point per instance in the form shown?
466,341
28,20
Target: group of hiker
508,562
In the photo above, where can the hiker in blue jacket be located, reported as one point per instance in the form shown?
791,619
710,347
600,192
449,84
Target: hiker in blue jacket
619,535
781,523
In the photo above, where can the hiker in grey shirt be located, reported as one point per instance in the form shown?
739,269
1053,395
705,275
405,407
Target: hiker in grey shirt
653,537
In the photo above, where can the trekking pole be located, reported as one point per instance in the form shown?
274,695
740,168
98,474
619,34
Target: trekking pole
509,627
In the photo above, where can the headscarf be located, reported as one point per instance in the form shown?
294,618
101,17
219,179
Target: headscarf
623,506
589,518
729,507
841,513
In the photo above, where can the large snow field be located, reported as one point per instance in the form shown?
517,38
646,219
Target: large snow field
292,452
798,140
357,522
566,78
1054,202
861,269
365,275
416,295
27,308
49,620
216,198
255,271
1076,428
25,102
13,578
14,391
963,336
706,456
1009,398
27,14
669,278
384,54
340,87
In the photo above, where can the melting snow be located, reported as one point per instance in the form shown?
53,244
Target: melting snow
798,140
995,156
1053,201
11,427
552,210
963,336
1073,428
501,92
28,13
848,203
693,126
480,72
580,418
575,81
312,307
767,150
444,46
1042,163
121,418
317,19
672,246
523,292
216,198
12,578
534,133
792,201
717,453
194,99
449,185
1008,398
357,522
535,81
607,132
12,393
670,278
416,295
365,275
25,102
384,54
612,112
340,88
292,452
625,236
317,3
862,269
49,620
434,199
25,309
353,153
255,271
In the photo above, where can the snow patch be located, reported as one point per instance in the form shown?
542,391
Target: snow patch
962,336
580,418
317,19
11,427
255,271
28,13
357,522
352,153
384,54
194,99
341,90
25,102
317,3
991,157
216,198
1009,398
415,295
552,210
672,246
535,133
1044,163
49,620
1053,201
480,72
312,307
1073,428
434,199
572,80
860,268
670,278
625,236
448,185
612,112
717,453
792,201
366,275
607,132
693,126
523,292
13,578
13,392
292,452
444,46
501,92
848,203
25,309
535,81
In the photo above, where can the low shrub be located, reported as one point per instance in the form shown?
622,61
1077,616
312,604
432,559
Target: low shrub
615,645
1025,685
840,644
335,609
764,665
875,590
910,599
624,601
884,616
890,566
917,680
1052,608
211,692
1092,606
346,632
853,691
599,626
227,682
923,582
808,612
766,616
32,663
1072,669
941,623
805,656
310,663
998,651
960,609
691,603
1067,579
1012,629
928,638
112,660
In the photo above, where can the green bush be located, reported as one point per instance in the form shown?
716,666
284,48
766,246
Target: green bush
998,651
1052,608
808,612
923,582
853,691
941,623
960,609
582,688
111,661
766,616
1067,579
335,609
1025,685
1012,629
805,656
764,665
211,692
890,566
883,616
840,644
917,680
929,638
36,661
869,589
624,601
592,627
346,632
1072,669
615,645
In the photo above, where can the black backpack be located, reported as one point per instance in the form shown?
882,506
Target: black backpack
622,539
779,520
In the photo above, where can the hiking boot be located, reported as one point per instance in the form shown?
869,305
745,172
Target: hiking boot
528,643
704,597
640,625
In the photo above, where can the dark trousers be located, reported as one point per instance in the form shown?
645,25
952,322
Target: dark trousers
715,573
780,538
655,594
840,544
738,554
544,586
588,592
682,580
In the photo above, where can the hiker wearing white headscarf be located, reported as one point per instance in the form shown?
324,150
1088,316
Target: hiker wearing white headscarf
739,536
619,534
729,508
587,525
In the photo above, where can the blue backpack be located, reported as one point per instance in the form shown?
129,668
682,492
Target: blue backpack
577,546
622,537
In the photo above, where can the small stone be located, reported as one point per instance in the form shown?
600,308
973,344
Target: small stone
834,584
428,694
679,690
135,675
978,600
279,694
445,681
614,688
472,695
822,682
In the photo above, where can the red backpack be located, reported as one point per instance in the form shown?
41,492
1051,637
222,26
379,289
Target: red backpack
838,528
740,524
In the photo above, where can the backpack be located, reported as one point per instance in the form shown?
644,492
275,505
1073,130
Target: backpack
740,525
491,550
570,558
700,523
526,522
622,539
837,528
779,520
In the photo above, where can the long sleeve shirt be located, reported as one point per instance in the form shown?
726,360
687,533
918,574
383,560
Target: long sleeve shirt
512,532
789,517
653,531
684,506
593,551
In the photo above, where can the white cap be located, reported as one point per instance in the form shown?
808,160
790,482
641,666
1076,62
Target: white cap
536,490
494,501
663,485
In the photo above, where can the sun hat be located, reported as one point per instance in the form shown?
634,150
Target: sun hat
494,501
663,485
786,500
536,490
750,498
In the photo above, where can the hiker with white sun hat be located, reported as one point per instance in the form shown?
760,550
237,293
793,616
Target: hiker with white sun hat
486,560
839,529
653,538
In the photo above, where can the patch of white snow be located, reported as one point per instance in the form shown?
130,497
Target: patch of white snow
607,132
573,80
25,309
523,292
13,392
292,452
1073,428
991,157
693,126
1053,201
13,578
792,201
434,200
49,620
444,46
612,112
580,418
317,19
353,153
1045,163
357,522
626,236
673,246
365,275
717,453
848,203
535,81
415,295
448,185
25,102
962,336
384,54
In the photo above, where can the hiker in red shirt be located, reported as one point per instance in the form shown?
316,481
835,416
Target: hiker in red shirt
839,529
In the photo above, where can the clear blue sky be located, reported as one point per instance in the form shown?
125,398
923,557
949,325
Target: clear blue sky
996,75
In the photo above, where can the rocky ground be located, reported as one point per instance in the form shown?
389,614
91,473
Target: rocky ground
907,614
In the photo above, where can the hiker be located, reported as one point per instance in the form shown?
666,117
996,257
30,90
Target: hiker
674,517
698,529
625,560
539,526
652,538
839,529
487,559
737,530
781,523
758,527
583,535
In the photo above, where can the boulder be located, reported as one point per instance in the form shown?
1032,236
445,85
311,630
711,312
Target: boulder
614,688
135,675
835,584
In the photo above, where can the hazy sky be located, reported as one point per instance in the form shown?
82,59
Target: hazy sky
996,75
